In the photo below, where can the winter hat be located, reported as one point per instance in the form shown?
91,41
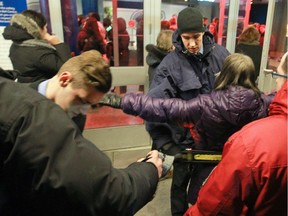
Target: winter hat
190,20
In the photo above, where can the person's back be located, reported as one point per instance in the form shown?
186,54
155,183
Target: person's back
249,45
48,168
34,52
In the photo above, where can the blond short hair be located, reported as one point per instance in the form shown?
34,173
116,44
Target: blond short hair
89,69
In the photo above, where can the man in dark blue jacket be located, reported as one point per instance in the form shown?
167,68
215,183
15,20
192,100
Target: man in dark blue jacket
184,73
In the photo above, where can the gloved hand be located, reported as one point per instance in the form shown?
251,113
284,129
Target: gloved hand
112,100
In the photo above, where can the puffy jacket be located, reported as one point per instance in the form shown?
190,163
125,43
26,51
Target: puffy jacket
33,57
251,179
184,75
215,116
48,168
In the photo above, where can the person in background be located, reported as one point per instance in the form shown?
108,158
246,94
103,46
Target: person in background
213,28
173,22
251,178
262,29
140,39
165,25
35,53
48,168
89,36
186,72
123,42
248,44
109,38
101,27
156,53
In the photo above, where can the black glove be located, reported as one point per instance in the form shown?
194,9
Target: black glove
112,100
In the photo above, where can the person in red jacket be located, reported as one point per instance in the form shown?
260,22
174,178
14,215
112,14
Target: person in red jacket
251,179
89,37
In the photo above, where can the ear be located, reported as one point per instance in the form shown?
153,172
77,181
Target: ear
65,78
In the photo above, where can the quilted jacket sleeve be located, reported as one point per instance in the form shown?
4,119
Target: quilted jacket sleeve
163,110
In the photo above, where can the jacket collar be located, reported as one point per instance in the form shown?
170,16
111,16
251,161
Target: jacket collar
279,104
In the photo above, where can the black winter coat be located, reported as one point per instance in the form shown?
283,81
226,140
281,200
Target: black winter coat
48,168
34,58
253,51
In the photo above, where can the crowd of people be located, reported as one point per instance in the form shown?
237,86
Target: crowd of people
201,97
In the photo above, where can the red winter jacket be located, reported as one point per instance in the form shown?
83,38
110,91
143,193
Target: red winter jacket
251,179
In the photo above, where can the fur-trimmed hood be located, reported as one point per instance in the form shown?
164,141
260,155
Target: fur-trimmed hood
22,28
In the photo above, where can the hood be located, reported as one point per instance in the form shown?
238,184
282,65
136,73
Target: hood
16,33
9,74
208,43
22,28
279,104
155,54
121,24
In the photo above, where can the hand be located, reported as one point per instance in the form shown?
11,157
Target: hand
153,157
112,100
52,39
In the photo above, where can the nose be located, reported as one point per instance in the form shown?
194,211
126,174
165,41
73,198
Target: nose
192,42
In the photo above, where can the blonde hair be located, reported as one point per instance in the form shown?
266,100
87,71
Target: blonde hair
89,69
238,69
250,35
164,40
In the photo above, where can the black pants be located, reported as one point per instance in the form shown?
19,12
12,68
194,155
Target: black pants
183,173
180,180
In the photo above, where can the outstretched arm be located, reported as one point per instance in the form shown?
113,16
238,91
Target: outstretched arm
156,109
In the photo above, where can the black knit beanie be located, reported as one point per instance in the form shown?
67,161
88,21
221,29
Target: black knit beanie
190,20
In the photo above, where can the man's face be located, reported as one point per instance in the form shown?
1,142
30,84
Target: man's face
76,100
192,41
